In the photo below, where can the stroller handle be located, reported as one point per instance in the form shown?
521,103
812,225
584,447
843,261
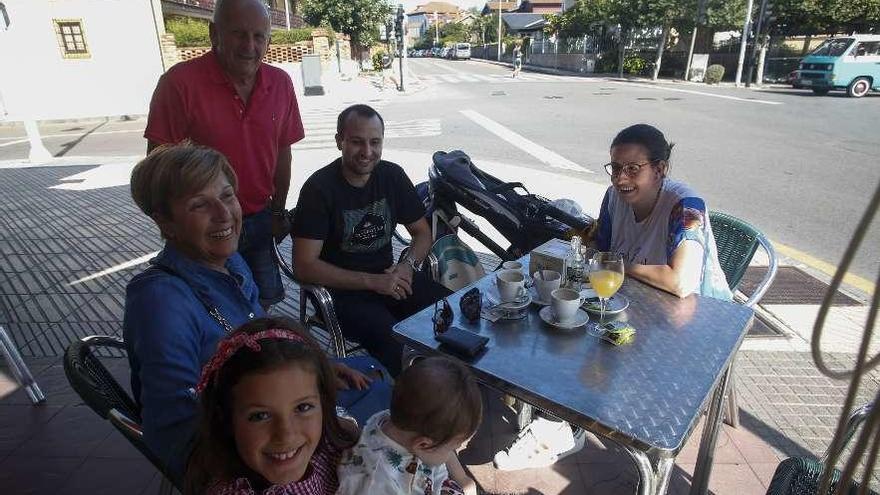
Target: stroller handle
576,223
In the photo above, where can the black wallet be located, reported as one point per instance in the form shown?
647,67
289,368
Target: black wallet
462,342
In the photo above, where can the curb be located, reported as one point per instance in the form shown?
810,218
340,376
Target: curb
78,120
615,77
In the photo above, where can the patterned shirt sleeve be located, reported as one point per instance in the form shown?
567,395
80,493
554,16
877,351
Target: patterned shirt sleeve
687,222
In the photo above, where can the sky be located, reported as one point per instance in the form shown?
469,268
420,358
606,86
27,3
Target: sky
409,5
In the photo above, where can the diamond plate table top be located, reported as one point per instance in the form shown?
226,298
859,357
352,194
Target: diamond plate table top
648,394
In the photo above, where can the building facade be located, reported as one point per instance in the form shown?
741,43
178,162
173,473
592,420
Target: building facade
78,58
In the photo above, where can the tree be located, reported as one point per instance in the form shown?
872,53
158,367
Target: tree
360,19
454,32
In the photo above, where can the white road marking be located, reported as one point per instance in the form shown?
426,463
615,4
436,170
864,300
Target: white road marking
72,134
10,143
530,147
447,67
322,135
701,93
114,269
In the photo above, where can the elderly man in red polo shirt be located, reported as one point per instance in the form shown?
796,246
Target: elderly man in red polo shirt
229,100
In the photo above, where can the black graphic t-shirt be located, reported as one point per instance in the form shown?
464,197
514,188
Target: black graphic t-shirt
356,223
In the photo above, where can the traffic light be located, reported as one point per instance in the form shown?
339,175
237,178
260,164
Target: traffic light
769,15
399,23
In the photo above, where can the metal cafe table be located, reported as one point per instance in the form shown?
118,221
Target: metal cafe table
647,395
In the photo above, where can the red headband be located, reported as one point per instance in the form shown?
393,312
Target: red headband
231,345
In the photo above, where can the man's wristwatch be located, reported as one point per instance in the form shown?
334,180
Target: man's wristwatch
415,265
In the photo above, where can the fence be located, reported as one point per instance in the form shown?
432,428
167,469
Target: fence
587,53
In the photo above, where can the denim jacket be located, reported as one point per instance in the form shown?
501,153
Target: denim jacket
169,334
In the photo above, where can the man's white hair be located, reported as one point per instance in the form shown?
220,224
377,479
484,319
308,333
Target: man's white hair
220,7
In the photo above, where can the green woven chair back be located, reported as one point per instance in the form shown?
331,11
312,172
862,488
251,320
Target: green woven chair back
737,242
800,476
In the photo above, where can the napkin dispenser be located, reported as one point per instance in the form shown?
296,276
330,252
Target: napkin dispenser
549,256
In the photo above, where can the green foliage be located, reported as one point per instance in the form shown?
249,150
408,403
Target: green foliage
714,74
359,19
454,32
606,64
284,37
191,32
377,59
826,16
188,32
636,65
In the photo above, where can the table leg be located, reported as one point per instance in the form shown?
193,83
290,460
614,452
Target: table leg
706,454
651,481
19,368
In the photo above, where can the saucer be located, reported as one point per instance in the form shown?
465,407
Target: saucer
580,319
615,304
536,299
495,300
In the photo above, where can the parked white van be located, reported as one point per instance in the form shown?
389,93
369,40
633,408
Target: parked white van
461,51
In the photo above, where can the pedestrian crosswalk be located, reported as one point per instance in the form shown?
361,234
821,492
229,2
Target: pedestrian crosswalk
492,78
320,127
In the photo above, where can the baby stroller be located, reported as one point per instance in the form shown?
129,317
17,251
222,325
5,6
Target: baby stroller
526,220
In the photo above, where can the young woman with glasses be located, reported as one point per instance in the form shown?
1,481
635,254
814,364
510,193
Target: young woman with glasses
659,226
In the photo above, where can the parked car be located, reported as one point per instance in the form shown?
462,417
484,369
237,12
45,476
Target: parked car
850,63
461,51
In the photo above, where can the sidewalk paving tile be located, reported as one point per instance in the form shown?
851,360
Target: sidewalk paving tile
51,237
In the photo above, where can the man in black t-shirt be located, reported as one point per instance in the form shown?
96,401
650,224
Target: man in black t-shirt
342,228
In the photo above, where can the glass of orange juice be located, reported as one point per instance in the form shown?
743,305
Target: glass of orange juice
606,277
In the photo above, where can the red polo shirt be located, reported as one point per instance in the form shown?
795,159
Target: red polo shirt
196,100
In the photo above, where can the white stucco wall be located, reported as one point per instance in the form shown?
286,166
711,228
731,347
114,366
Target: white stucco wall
37,82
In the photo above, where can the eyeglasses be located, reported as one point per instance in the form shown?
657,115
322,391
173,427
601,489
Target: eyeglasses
630,169
442,317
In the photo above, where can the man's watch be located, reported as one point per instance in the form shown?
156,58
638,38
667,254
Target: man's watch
415,265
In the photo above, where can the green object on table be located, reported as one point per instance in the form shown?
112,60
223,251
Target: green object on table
616,332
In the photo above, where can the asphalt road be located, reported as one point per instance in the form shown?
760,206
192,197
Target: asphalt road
802,168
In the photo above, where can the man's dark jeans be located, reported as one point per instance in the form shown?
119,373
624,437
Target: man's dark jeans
367,317
255,246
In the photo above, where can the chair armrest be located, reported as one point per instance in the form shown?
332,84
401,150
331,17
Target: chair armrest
103,341
855,420
768,277
286,269
127,426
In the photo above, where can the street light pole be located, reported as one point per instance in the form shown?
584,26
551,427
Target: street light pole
436,30
742,44
287,13
499,30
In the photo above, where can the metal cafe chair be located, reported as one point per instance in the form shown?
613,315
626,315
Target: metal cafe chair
101,392
318,298
19,369
737,243
801,475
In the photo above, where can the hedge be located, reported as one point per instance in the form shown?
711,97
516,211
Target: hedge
189,32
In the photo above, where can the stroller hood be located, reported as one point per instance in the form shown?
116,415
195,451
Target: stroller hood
456,167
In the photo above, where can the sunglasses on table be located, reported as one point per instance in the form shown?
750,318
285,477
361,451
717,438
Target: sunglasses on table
631,170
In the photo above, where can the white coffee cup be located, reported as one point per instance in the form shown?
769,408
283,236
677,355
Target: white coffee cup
511,284
546,281
564,303
512,265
